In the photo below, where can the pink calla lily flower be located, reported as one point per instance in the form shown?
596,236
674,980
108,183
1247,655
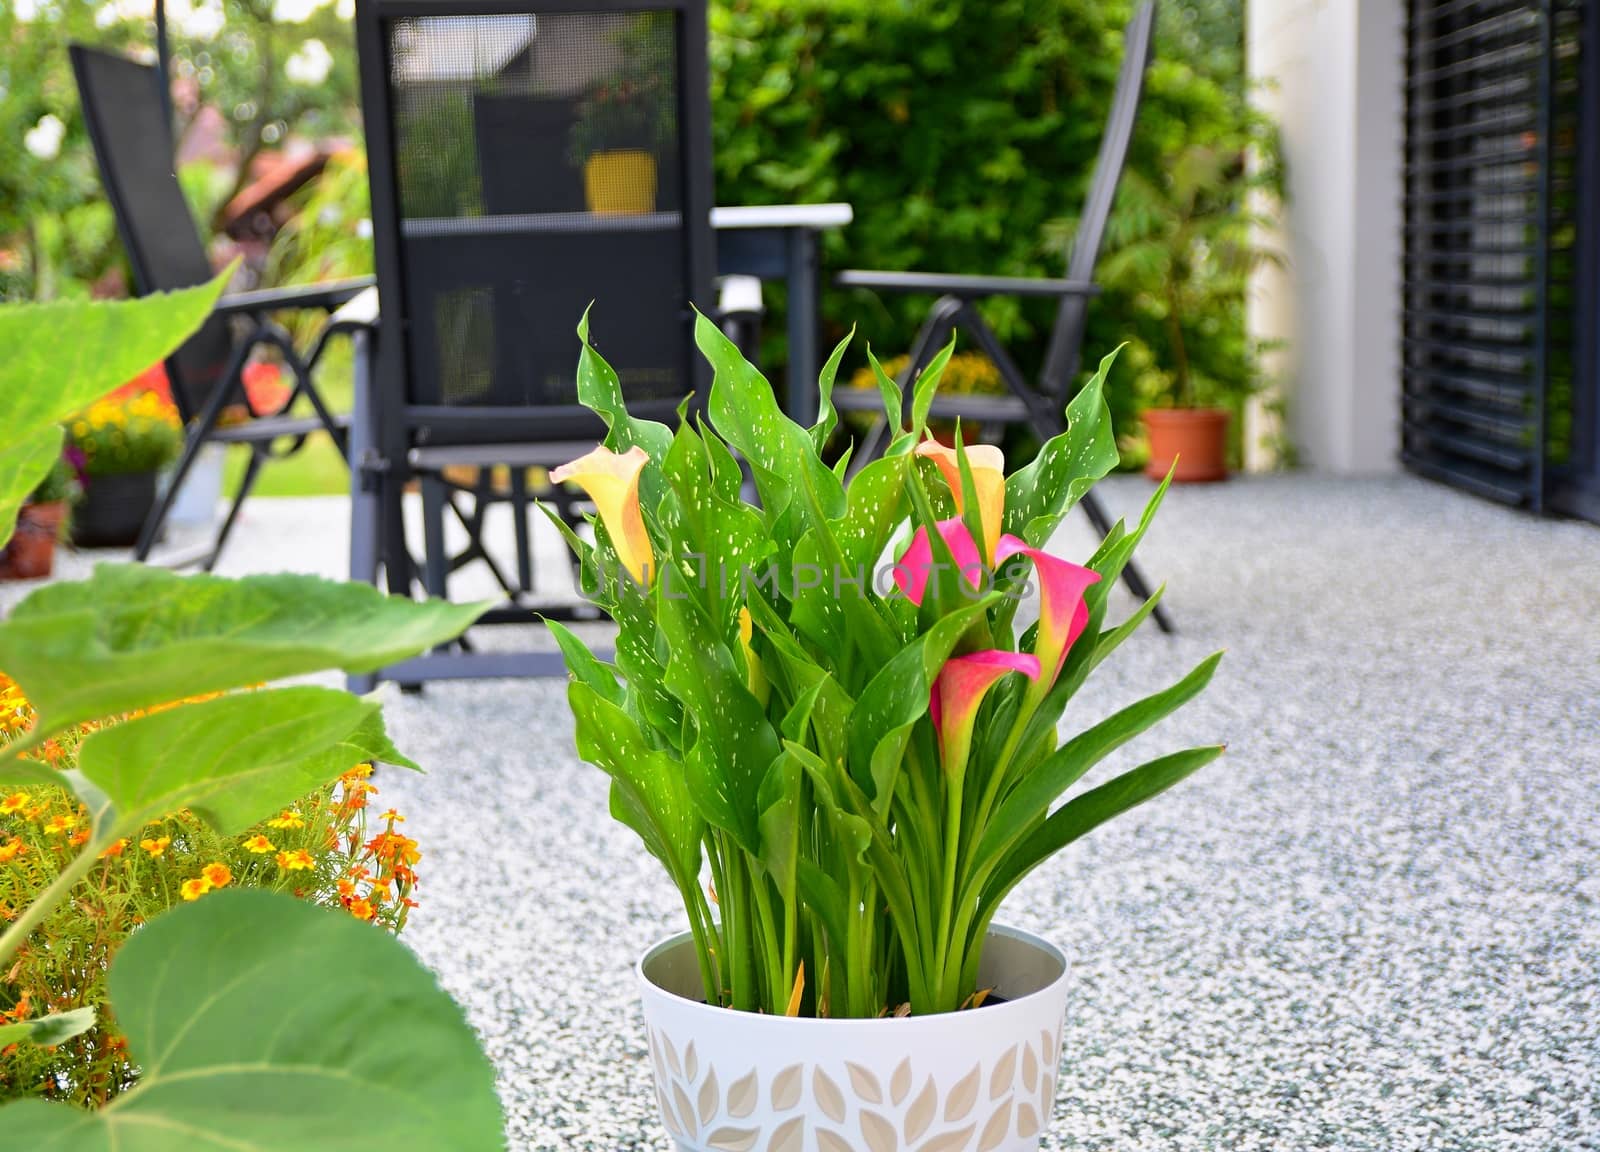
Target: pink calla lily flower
914,567
1063,615
958,692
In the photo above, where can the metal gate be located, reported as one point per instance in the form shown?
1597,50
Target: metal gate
1493,363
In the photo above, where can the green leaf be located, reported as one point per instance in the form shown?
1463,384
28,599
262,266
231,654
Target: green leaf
583,666
928,385
22,466
889,390
265,1024
1046,781
648,792
133,636
1041,493
600,391
1084,813
47,1031
234,760
827,415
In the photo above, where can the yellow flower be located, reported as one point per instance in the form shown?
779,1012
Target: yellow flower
612,482
260,845
297,861
59,824
362,909
196,888
10,850
157,846
218,875
15,802
288,818
755,675
988,466
393,817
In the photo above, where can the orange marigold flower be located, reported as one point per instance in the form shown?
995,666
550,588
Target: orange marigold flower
395,848
62,822
288,818
346,887
15,802
260,845
114,849
362,909
157,846
196,888
297,861
219,874
359,772
10,850
79,838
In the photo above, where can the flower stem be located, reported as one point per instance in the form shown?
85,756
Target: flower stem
22,927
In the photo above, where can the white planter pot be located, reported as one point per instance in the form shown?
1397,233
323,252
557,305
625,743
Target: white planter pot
976,1081
196,503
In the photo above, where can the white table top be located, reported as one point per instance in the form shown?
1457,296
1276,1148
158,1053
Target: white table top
783,216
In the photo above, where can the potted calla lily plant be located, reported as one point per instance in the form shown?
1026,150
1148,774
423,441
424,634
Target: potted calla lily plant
826,723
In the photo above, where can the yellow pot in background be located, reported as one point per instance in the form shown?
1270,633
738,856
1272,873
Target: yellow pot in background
620,183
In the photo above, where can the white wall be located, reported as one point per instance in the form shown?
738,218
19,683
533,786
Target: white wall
1333,73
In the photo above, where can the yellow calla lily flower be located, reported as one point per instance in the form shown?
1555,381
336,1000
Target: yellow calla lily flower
988,465
612,481
755,676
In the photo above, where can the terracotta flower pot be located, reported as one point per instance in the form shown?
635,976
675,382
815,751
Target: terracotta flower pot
982,1080
1196,438
621,183
31,552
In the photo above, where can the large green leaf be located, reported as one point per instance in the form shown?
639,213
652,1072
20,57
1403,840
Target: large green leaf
1039,494
600,390
132,636
45,1031
264,1024
234,760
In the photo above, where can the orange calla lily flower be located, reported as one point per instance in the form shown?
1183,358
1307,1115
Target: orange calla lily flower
612,481
988,465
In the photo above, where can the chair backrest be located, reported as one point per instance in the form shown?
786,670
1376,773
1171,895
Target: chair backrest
1064,356
133,147
527,158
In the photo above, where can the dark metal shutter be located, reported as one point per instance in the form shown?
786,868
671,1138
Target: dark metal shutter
1491,149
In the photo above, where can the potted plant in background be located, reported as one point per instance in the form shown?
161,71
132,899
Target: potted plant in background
30,554
623,121
125,439
827,725
1184,247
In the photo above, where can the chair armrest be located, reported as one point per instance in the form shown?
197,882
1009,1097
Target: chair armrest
325,296
964,287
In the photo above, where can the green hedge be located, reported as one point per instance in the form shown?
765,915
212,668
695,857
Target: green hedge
959,130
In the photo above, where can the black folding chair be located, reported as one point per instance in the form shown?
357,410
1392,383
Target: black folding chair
1041,405
133,144
487,255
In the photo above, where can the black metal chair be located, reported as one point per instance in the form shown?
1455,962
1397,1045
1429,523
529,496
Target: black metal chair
487,255
132,137
1040,405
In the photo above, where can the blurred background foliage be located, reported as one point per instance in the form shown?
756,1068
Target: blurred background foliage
963,132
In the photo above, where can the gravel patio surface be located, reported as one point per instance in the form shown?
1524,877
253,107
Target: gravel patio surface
1375,924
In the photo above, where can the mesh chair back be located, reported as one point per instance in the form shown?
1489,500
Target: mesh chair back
525,162
1066,342
133,147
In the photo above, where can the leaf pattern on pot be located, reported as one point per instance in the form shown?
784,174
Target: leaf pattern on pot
920,1115
832,1142
672,1055
710,1097
1005,1069
995,1129
900,1082
828,1097
1030,1068
963,1096
685,1109
879,1133
788,1136
786,1088
1027,1121
667,1116
865,1084
1047,1095
950,1141
744,1095
733,1139
691,1064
